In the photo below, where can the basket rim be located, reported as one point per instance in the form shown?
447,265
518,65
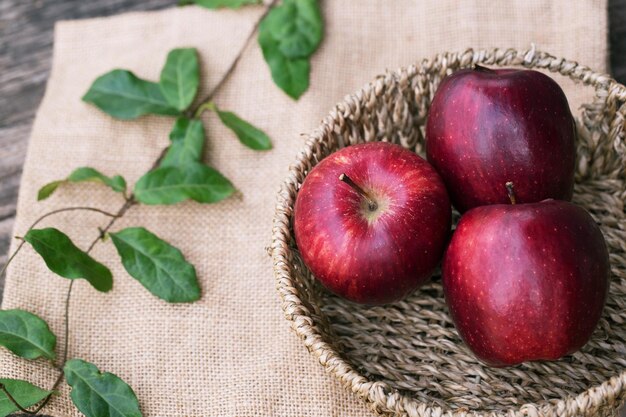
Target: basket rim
380,396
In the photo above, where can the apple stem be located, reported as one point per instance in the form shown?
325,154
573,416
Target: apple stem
371,204
482,69
510,189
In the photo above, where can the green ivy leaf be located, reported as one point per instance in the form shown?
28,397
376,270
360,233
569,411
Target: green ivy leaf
47,190
63,258
290,74
187,138
26,335
171,185
98,394
123,95
180,77
215,4
25,393
297,27
116,183
157,265
248,135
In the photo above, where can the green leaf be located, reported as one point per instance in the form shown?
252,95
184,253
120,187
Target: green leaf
123,95
25,393
98,394
171,185
26,335
215,4
288,35
117,183
248,135
187,138
47,190
297,26
63,258
291,75
180,77
157,265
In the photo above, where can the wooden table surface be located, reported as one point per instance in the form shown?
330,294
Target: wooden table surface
26,29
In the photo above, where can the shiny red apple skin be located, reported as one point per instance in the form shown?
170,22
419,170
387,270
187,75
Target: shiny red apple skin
487,127
378,261
526,282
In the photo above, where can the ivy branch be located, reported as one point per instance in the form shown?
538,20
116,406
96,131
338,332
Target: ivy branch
288,34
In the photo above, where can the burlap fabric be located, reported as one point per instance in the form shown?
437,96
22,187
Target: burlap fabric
230,354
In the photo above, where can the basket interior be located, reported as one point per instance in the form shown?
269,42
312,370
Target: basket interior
412,345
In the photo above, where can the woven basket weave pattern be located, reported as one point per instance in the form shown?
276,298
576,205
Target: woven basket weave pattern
406,358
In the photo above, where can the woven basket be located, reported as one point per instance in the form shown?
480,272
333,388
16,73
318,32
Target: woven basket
406,358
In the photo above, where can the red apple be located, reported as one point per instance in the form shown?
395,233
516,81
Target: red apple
487,127
371,222
526,282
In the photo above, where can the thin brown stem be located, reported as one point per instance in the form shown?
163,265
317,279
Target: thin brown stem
6,265
128,204
510,190
14,401
67,325
233,64
371,203
155,164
